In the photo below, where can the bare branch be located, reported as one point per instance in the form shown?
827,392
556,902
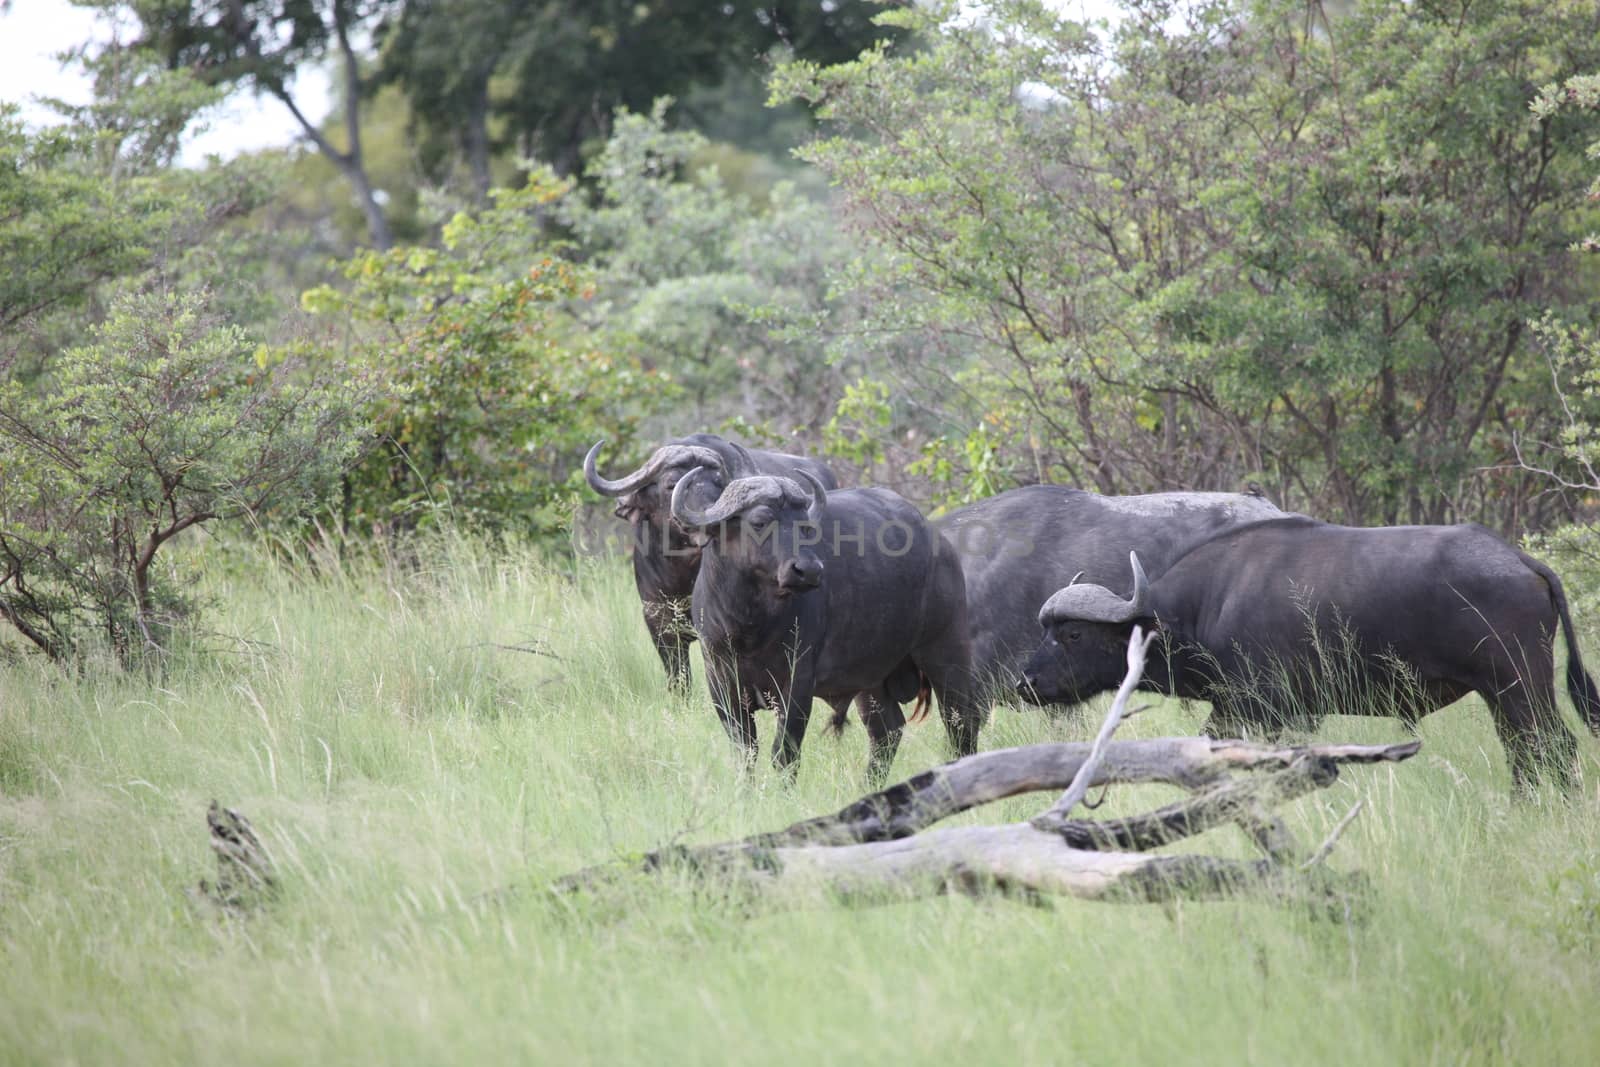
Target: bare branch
1138,646
1333,837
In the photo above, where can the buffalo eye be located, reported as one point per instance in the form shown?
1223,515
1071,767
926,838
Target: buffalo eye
1073,635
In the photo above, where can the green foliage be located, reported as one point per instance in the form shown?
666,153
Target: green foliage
961,470
260,44
492,390
141,106
859,421
165,422
419,783
1223,240
547,75
66,225
97,205
1568,458
725,293
1581,92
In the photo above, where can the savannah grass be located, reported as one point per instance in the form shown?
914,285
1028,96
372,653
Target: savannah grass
423,748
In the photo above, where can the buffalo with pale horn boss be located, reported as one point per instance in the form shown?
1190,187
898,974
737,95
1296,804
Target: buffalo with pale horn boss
808,592
1283,620
665,559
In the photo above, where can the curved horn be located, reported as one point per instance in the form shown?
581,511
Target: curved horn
622,486
745,462
1096,603
819,495
736,496
680,504
1139,603
668,455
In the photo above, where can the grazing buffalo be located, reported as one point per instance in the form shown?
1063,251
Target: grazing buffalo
665,560
804,594
1021,546
1291,617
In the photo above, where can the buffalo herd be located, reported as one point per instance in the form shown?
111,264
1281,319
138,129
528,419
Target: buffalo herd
799,589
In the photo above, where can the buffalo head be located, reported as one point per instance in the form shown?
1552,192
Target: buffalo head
764,526
1085,646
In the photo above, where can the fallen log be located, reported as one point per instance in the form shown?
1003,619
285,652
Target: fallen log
876,847
246,875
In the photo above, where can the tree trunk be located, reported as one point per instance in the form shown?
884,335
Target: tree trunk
475,141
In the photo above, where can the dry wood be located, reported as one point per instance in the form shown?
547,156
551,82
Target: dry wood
1138,645
875,848
1190,762
245,872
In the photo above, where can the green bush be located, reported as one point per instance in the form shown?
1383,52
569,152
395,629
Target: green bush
491,392
168,420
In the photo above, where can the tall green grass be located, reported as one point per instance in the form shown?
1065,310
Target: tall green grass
412,742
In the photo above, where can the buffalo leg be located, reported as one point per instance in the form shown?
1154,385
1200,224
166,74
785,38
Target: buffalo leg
1537,742
960,697
945,659
794,713
885,722
670,633
735,704
841,712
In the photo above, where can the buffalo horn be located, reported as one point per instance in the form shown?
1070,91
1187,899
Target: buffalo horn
819,496
685,514
746,463
665,456
1140,601
1096,603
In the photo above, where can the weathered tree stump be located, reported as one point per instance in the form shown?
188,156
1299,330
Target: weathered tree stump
245,873
875,848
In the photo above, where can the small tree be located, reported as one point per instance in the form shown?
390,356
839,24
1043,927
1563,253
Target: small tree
492,392
168,420
1570,461
1221,240
731,293
65,225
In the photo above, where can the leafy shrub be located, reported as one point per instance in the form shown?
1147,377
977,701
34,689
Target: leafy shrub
491,391
168,420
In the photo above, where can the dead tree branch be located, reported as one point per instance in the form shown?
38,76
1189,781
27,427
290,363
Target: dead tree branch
245,872
876,847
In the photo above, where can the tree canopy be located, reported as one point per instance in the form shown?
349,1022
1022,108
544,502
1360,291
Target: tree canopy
1226,240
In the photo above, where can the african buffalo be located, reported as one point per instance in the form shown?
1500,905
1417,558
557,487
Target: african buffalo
665,560
828,594
1290,617
1021,546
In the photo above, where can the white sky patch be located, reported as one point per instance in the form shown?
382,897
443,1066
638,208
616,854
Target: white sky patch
1038,95
34,33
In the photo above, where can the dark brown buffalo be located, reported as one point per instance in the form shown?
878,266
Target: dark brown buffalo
805,592
1286,619
665,560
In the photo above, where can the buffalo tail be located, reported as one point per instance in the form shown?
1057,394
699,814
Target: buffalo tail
919,710
839,720
1580,687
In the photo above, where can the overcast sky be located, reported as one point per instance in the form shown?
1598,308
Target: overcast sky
35,31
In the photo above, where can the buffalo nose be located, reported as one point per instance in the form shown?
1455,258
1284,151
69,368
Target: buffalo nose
801,574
